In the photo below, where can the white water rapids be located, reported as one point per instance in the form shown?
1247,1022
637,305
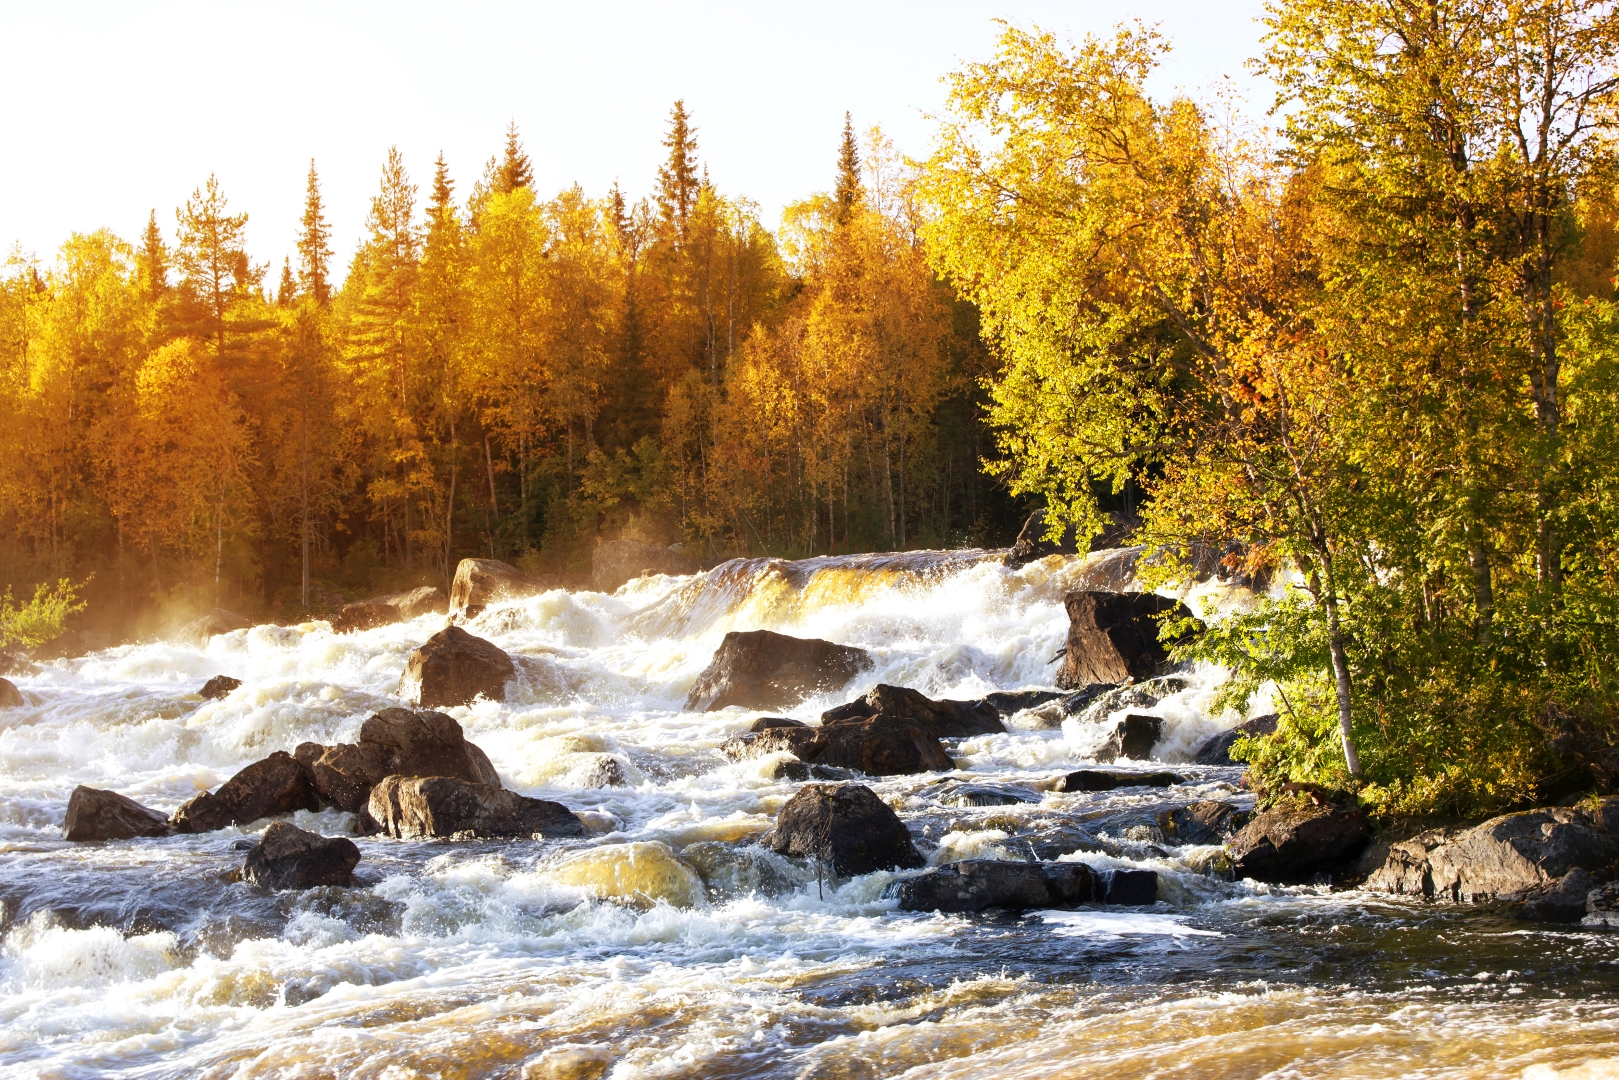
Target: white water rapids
503,959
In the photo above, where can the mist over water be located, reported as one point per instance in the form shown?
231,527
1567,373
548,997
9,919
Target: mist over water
712,957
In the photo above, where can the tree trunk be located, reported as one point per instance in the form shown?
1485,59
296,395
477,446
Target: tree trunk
1340,662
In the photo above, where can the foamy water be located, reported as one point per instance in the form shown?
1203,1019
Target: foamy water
665,944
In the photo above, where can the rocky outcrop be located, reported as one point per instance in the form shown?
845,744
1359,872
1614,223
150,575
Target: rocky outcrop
846,827
1031,544
1216,749
615,562
95,814
279,784
1298,841
1205,822
200,630
1133,738
218,687
759,669
394,741
10,696
978,884
944,719
411,807
1111,779
290,858
1113,637
480,582
1523,856
454,668
392,608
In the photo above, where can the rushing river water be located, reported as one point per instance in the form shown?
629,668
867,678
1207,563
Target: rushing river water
473,959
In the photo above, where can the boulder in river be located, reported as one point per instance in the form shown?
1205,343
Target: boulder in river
1296,841
394,741
1113,637
1204,822
218,687
1519,856
453,668
1133,738
200,630
1008,702
880,746
1110,779
844,826
411,807
615,562
974,885
760,669
95,814
391,608
944,719
290,858
1216,749
480,582
10,696
279,784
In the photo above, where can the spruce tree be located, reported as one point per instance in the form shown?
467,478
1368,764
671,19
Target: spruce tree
848,187
678,180
314,245
515,171
288,290
153,260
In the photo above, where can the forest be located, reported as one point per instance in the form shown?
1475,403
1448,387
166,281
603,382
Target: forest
1367,348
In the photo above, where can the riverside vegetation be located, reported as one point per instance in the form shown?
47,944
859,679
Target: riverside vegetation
1367,355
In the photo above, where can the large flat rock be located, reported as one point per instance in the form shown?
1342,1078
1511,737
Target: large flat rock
761,669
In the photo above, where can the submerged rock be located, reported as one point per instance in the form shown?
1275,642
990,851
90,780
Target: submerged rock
1206,822
944,719
219,687
1110,779
1133,738
454,668
845,826
290,858
279,784
200,630
10,696
412,807
388,609
1113,637
1524,856
394,741
965,795
96,814
615,562
1216,749
760,669
480,582
1295,843
638,873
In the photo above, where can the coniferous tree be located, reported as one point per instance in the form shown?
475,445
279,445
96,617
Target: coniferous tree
515,170
287,291
678,178
847,192
314,245
153,260
211,256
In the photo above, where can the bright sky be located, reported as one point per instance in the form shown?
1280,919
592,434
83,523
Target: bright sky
116,108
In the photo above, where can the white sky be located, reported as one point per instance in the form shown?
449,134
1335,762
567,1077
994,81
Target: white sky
113,109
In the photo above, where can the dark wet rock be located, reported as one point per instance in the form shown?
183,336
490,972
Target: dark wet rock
766,723
96,814
1113,637
290,858
1512,857
760,669
218,621
10,696
1070,883
279,784
454,668
1133,738
944,719
615,562
394,741
1131,887
1110,779
1563,901
975,885
481,582
1206,822
798,772
1031,544
1602,908
412,807
1297,841
244,844
220,686
392,608
1216,749
965,795
877,747
847,827
1008,702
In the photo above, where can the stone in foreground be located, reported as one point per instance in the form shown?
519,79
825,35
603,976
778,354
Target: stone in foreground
846,827
480,582
1113,637
290,858
388,609
760,669
413,807
219,687
10,696
1298,842
616,562
394,741
95,814
454,668
279,784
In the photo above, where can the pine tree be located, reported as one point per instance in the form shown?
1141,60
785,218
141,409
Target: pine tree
288,290
314,245
848,189
153,260
515,171
211,255
678,180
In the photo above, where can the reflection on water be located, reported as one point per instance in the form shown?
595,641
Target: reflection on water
716,959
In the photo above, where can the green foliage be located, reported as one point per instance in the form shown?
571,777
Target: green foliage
43,618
